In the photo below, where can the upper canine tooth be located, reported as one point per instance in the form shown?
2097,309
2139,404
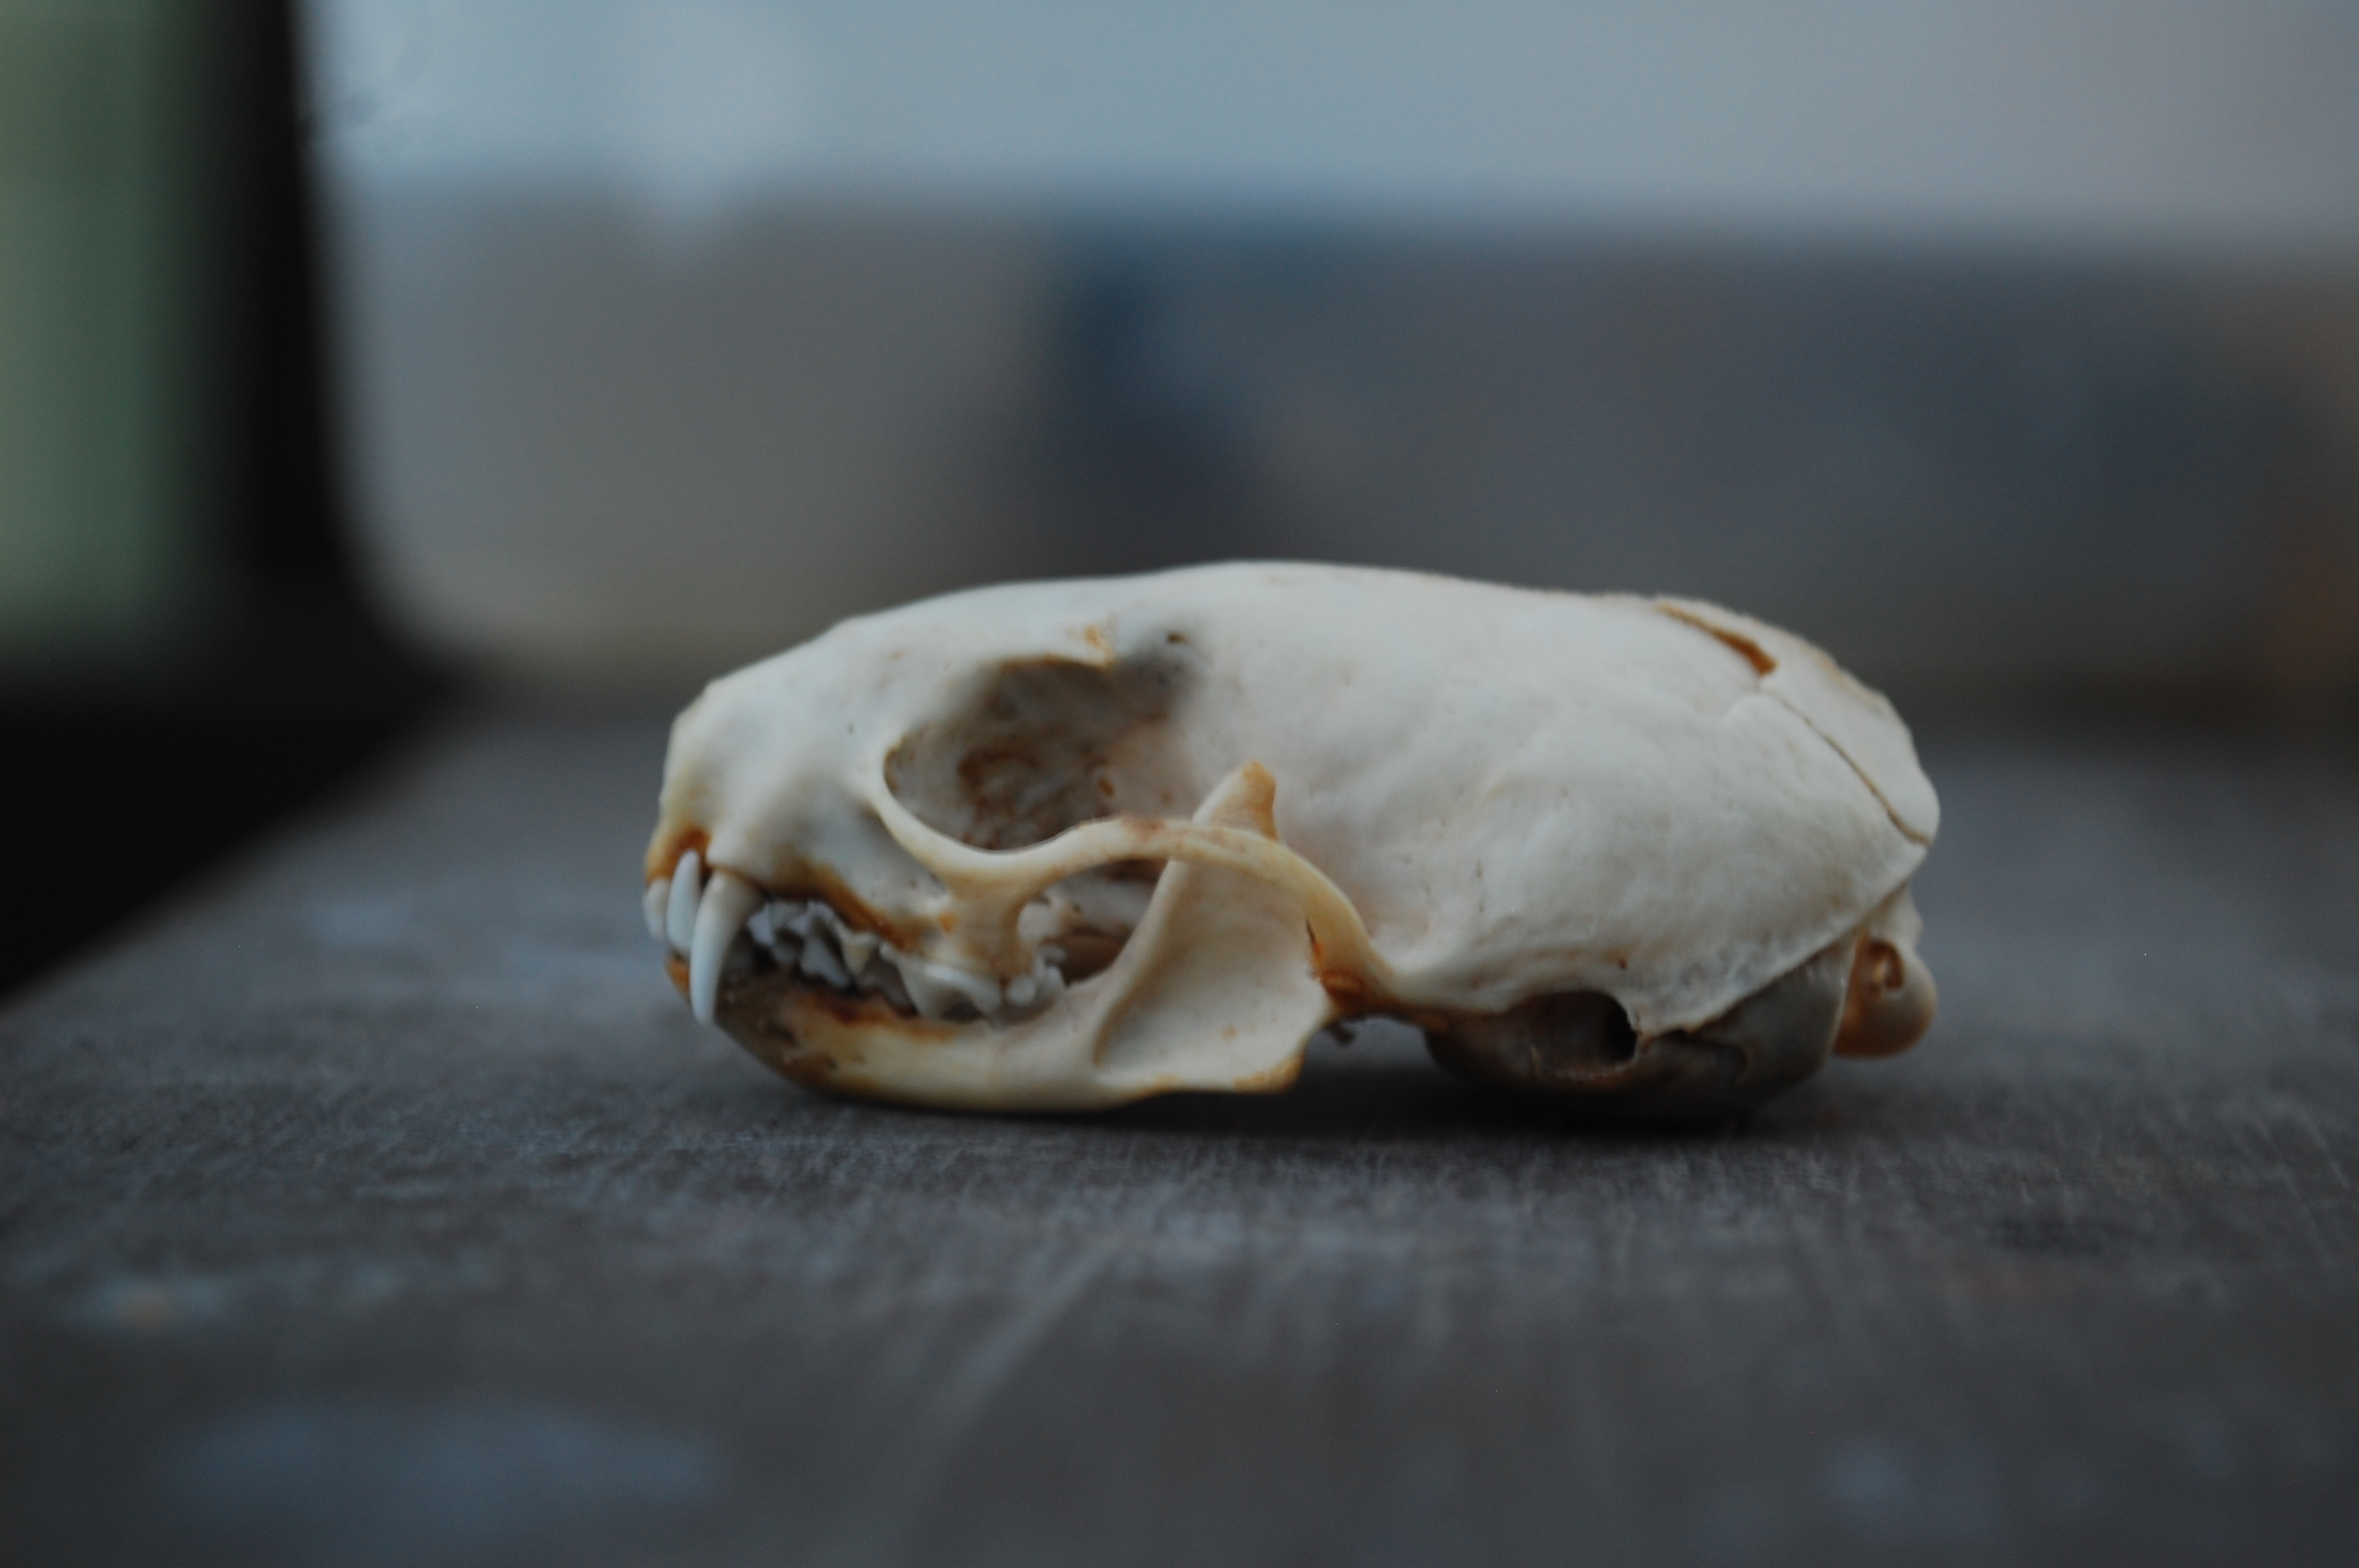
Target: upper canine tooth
679,915
654,901
729,902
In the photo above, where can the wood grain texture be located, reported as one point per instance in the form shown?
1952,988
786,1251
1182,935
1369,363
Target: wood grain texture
383,1205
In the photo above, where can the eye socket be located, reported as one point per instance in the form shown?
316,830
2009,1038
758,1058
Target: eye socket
1044,745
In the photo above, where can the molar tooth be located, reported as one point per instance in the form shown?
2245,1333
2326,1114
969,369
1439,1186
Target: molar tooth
783,944
1031,992
728,902
980,989
679,914
819,961
936,988
886,981
930,1000
858,947
655,901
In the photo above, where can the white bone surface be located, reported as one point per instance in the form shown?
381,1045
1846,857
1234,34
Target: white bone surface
1377,790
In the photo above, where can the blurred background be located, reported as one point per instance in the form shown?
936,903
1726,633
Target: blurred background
361,356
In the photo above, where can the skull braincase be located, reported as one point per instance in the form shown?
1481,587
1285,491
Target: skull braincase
1364,792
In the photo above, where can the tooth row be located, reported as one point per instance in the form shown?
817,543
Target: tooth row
717,923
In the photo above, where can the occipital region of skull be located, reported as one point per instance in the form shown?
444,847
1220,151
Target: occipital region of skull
1061,846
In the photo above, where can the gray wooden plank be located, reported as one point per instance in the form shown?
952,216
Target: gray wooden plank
382,1205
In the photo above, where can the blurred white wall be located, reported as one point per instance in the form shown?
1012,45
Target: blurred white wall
673,331
2182,122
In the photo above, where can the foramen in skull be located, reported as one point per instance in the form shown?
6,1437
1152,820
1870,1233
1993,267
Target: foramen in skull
1063,845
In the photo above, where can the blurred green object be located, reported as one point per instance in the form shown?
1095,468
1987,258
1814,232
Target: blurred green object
123,200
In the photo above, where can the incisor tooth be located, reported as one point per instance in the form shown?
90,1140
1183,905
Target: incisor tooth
729,901
655,901
687,888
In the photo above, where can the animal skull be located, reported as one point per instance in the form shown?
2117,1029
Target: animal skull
1061,846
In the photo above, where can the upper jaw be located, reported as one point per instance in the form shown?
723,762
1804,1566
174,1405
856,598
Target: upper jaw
720,924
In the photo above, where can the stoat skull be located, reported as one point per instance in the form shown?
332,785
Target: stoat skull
1059,846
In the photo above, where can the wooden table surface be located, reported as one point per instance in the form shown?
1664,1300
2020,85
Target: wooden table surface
382,1205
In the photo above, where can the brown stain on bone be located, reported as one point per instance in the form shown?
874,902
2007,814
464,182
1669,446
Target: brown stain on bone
779,1003
1347,990
807,879
663,855
824,884
1751,652
796,1030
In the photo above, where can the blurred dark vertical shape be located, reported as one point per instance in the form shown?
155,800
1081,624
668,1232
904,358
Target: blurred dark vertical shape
136,772
293,536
